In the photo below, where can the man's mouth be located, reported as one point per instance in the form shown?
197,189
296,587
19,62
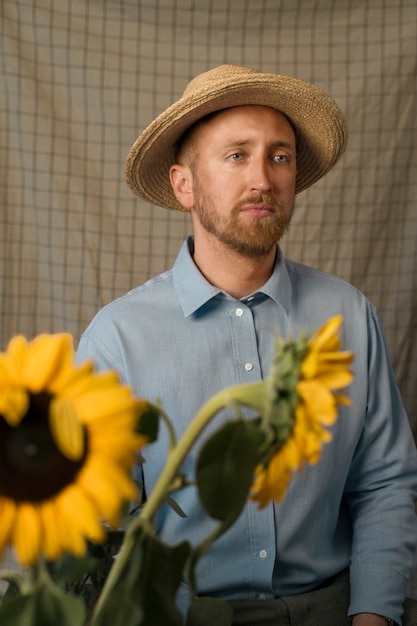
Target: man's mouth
258,209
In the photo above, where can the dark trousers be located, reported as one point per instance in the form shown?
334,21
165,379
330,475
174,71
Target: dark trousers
326,606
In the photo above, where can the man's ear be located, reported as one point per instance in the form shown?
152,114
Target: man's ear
182,184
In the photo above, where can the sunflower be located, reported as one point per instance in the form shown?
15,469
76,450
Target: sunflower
67,445
322,370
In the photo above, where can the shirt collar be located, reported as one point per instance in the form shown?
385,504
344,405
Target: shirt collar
278,286
193,290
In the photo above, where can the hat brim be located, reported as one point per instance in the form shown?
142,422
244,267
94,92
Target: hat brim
320,127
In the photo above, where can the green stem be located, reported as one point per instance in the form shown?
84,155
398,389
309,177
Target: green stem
116,569
226,397
202,548
12,577
169,426
162,487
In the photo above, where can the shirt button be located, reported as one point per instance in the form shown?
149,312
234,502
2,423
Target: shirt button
263,554
248,367
239,312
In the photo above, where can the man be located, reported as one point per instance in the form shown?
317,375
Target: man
234,151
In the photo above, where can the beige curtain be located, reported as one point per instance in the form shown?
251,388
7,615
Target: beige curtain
81,78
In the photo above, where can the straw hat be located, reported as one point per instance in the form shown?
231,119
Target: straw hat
321,131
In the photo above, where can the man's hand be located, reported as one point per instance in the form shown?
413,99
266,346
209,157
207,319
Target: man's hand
368,619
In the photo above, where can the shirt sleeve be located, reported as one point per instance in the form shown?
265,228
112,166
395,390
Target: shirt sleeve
381,491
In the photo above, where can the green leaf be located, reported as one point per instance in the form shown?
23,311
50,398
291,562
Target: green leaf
208,611
148,423
225,468
145,592
165,567
176,507
46,606
15,580
69,569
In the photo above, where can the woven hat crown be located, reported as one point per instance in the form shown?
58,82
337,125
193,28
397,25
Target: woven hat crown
320,126
224,73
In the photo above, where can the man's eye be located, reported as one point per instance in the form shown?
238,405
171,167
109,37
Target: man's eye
236,156
281,158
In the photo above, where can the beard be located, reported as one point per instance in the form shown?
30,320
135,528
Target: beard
249,236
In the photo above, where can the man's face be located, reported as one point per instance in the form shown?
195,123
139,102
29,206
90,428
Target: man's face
243,169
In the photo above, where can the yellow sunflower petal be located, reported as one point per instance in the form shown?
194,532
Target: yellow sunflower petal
344,357
108,487
342,399
119,441
271,483
7,371
73,541
97,405
309,434
326,338
27,533
321,364
123,420
51,536
334,376
69,374
319,402
66,429
13,360
7,522
260,492
45,356
77,381
14,403
81,512
89,381
313,444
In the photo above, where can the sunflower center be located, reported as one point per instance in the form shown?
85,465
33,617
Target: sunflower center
32,468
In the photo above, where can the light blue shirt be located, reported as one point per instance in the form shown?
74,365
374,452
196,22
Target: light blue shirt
180,339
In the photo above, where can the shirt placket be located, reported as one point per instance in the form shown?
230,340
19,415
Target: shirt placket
260,523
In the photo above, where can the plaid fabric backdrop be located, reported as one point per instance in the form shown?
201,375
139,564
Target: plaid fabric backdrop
81,78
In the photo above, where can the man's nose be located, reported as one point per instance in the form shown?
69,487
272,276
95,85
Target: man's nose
260,176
